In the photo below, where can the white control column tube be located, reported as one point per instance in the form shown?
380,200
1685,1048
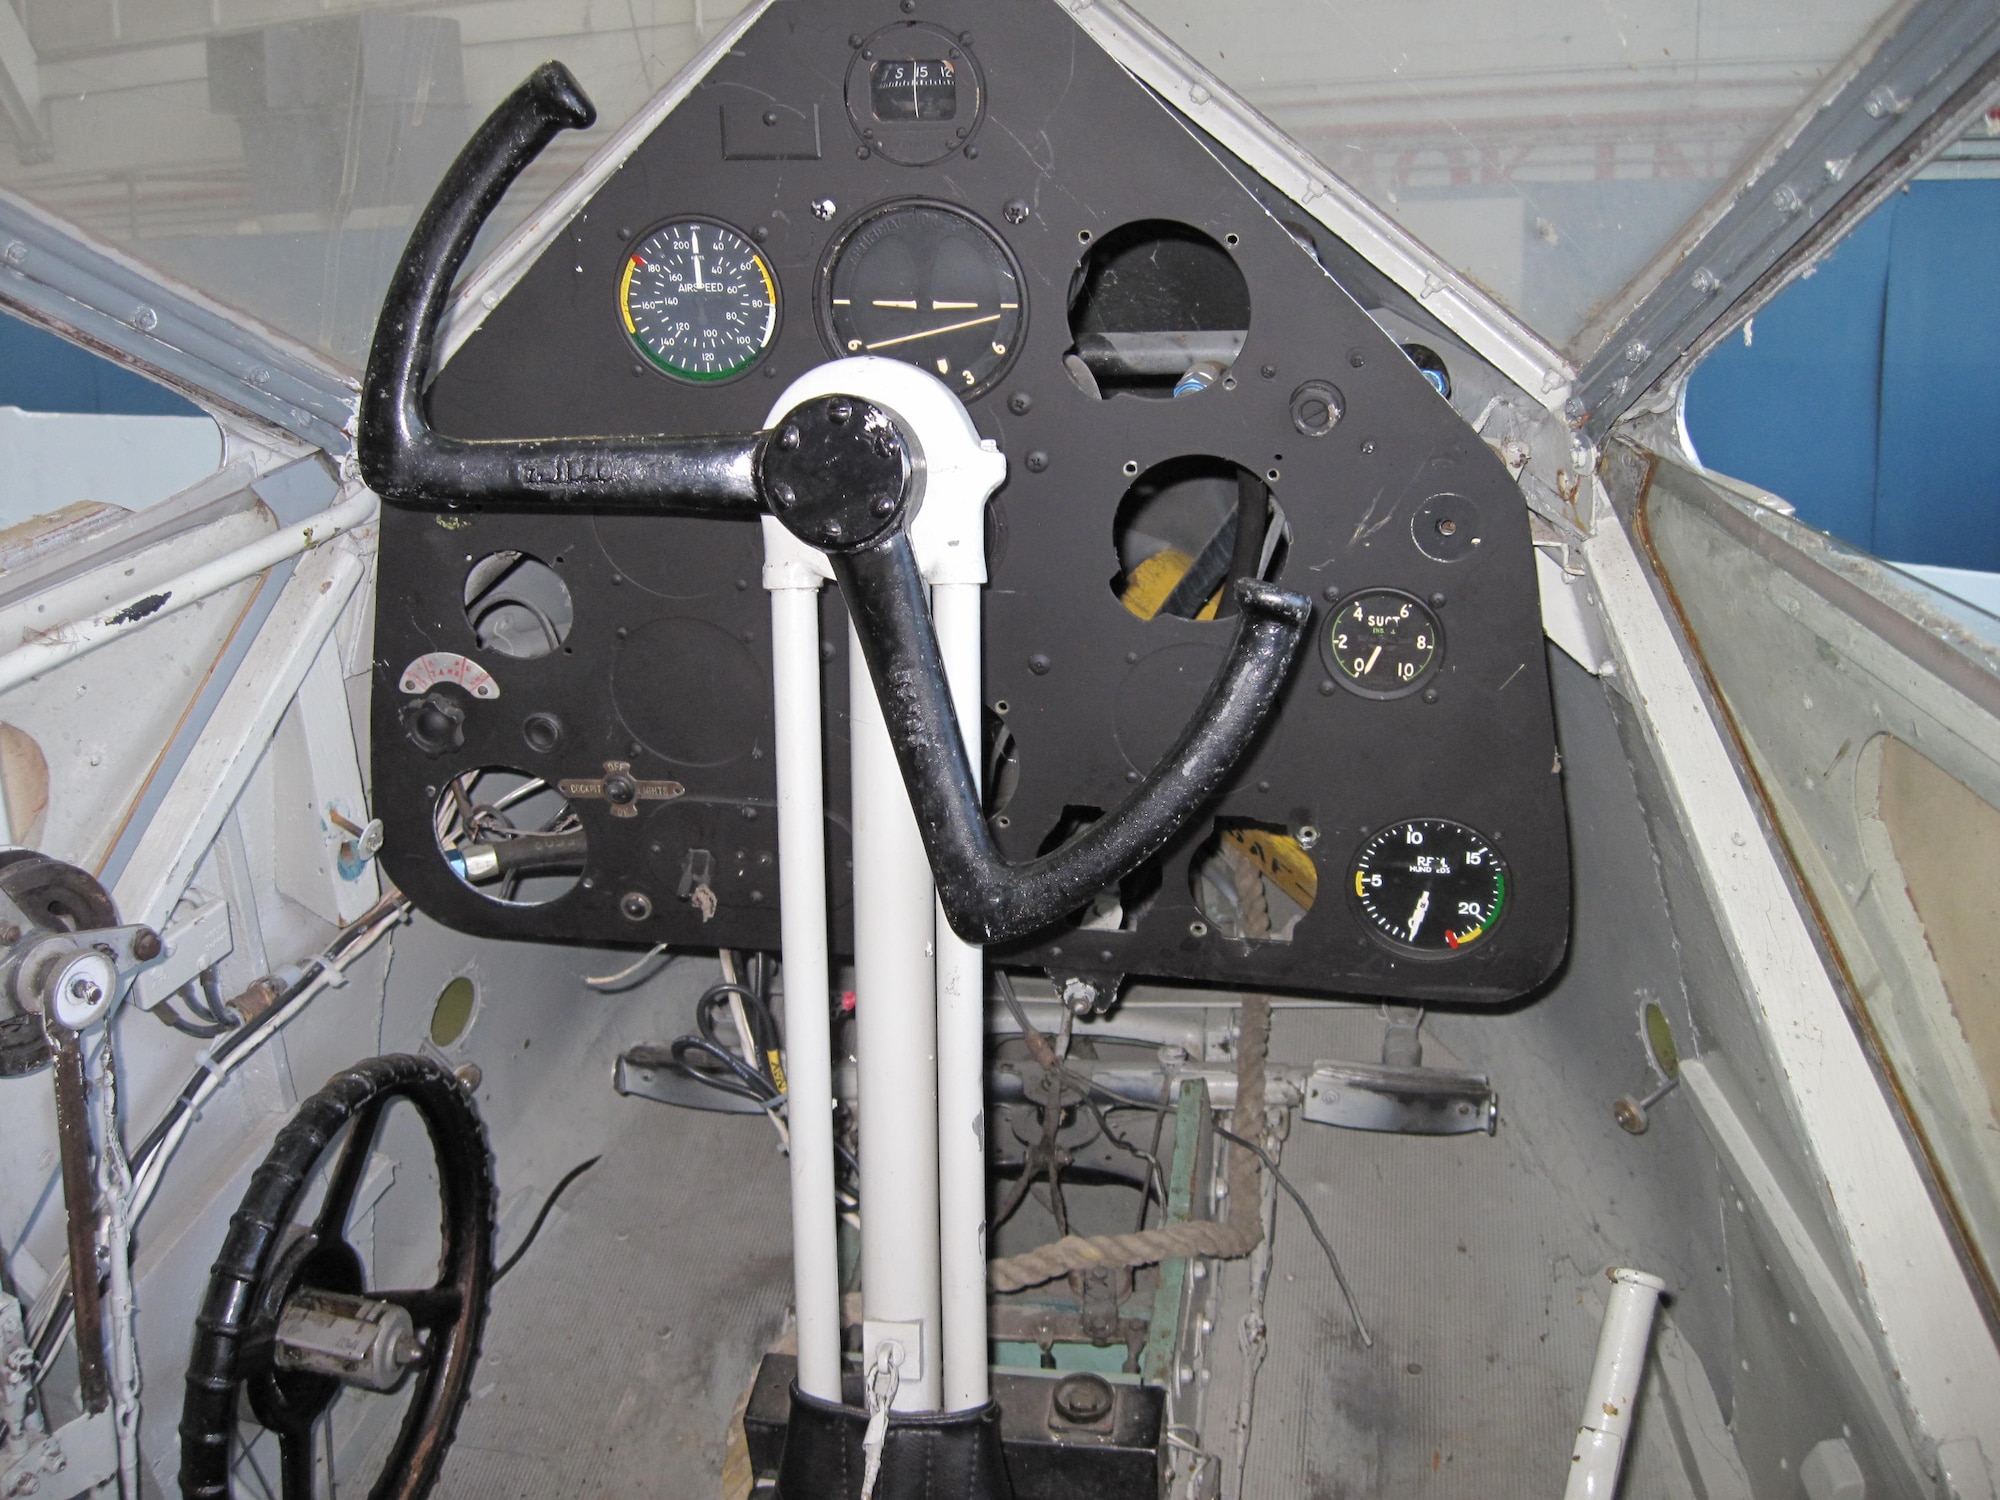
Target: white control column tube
915,982
802,917
1614,1385
895,1054
961,1043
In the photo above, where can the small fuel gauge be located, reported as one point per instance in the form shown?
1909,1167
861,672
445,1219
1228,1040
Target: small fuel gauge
1382,643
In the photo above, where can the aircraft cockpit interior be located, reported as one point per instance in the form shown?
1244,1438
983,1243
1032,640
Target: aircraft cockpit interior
877,750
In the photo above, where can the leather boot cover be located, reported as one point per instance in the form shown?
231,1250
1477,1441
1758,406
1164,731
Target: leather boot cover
927,1455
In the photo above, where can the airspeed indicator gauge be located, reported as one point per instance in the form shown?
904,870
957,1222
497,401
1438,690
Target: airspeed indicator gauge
1428,886
1381,643
698,300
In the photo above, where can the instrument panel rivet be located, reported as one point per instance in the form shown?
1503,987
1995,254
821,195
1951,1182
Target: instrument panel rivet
1037,461
1039,664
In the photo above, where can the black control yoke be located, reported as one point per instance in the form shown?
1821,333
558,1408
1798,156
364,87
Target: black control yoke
838,472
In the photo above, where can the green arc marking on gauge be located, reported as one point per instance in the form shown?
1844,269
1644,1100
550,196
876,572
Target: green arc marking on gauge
697,375
1453,940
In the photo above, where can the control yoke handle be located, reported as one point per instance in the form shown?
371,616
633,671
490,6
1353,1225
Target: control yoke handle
838,472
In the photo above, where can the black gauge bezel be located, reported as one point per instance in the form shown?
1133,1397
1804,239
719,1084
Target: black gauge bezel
1331,661
914,143
646,357
1411,950
830,260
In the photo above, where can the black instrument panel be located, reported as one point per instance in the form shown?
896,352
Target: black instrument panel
985,194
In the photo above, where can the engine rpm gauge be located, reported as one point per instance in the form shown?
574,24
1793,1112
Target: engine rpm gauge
698,300
1382,643
927,284
1429,886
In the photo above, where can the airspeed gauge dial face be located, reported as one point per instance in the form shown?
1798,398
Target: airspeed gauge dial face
698,300
1429,886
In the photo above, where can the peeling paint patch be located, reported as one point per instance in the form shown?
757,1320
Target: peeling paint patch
139,609
452,523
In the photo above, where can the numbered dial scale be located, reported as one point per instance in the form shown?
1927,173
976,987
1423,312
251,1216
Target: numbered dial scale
1429,886
927,284
698,300
1382,643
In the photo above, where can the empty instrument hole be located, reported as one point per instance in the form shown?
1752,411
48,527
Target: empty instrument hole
517,605
451,1017
1116,908
1156,308
1186,530
1001,774
510,836
1252,880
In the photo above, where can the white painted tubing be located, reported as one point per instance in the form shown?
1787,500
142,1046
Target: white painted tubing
1614,1385
802,927
65,641
895,928
961,1043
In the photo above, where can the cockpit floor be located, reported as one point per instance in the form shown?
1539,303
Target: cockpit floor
617,1349
1475,1276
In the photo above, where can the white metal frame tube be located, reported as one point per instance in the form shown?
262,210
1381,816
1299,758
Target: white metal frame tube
961,1049
802,925
1614,1385
895,1052
66,640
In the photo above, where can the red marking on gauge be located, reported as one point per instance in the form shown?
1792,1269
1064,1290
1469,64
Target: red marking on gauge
426,672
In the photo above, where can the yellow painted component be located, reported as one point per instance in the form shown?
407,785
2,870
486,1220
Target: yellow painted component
625,294
1149,585
1359,888
1283,862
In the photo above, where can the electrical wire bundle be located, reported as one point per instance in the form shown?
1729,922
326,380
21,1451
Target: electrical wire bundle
755,1072
754,1067
203,998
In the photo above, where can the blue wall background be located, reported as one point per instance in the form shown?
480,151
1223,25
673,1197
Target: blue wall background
40,372
1867,396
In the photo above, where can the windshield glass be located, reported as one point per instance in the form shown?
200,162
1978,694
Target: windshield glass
276,152
1549,151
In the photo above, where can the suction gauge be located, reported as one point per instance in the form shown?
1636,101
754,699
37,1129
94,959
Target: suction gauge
1429,886
927,284
1382,643
698,300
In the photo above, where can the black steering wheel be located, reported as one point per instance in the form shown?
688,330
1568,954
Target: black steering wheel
288,1319
839,473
